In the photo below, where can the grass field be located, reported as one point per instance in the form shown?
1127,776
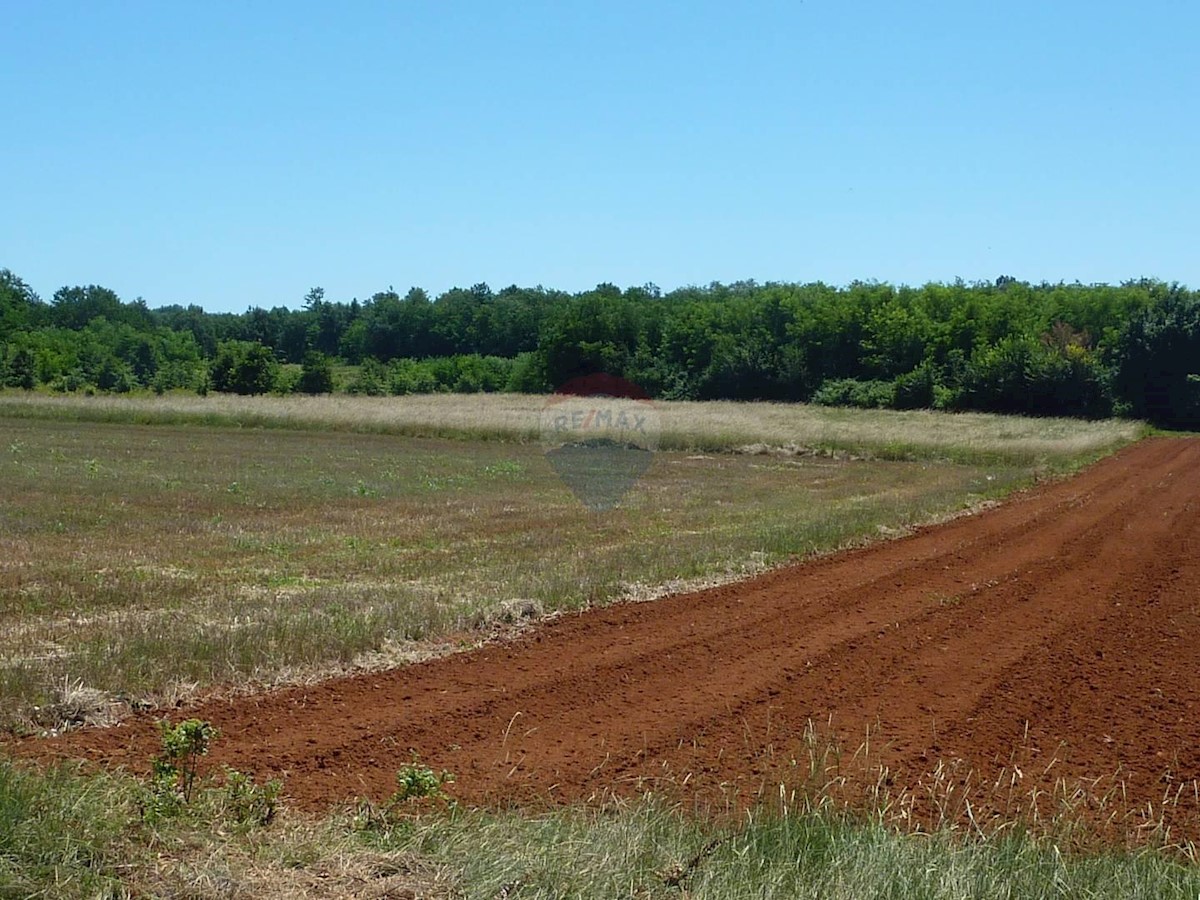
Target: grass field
149,548
138,560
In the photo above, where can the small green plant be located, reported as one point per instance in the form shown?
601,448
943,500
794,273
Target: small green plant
419,782
248,803
238,800
504,468
174,777
416,785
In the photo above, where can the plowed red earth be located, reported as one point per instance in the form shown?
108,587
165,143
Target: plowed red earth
1050,640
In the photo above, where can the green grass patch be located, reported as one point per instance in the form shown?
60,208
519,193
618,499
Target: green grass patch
67,835
646,850
62,835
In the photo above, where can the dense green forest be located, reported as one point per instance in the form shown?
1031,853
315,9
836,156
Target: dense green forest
1007,346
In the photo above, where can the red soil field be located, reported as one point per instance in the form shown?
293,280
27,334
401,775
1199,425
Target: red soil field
1050,640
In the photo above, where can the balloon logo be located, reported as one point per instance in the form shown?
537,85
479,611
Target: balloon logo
601,433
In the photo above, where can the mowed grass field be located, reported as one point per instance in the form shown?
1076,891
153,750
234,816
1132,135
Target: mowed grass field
151,549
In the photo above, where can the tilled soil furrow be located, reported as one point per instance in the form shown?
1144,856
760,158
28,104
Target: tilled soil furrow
949,654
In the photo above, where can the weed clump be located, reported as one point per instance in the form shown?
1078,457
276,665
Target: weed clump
239,800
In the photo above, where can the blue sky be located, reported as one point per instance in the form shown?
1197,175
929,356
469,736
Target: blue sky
237,154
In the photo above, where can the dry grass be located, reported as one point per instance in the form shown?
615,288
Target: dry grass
967,437
1027,794
301,863
647,850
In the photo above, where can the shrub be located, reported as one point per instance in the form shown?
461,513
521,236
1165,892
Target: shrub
370,381
176,767
21,370
246,803
316,374
243,367
528,375
915,389
410,376
1037,378
417,786
856,393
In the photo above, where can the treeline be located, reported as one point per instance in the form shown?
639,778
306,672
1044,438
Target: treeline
1008,346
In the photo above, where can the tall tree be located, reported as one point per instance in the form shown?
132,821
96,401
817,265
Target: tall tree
1157,361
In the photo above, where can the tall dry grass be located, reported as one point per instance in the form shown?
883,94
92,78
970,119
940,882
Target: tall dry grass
711,426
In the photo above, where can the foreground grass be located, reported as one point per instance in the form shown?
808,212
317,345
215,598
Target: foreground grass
64,835
136,559
644,850
710,426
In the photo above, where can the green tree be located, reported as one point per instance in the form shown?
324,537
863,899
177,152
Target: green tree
21,369
371,379
596,332
243,367
19,306
76,307
1157,362
316,374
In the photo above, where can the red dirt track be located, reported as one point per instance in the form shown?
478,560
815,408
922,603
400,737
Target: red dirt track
1061,627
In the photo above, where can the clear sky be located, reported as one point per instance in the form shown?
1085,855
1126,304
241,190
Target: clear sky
238,153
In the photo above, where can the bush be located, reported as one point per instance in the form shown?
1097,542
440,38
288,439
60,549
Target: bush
370,381
116,376
179,375
528,375
287,379
21,371
410,376
316,374
70,382
1030,377
472,373
244,367
856,393
916,389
